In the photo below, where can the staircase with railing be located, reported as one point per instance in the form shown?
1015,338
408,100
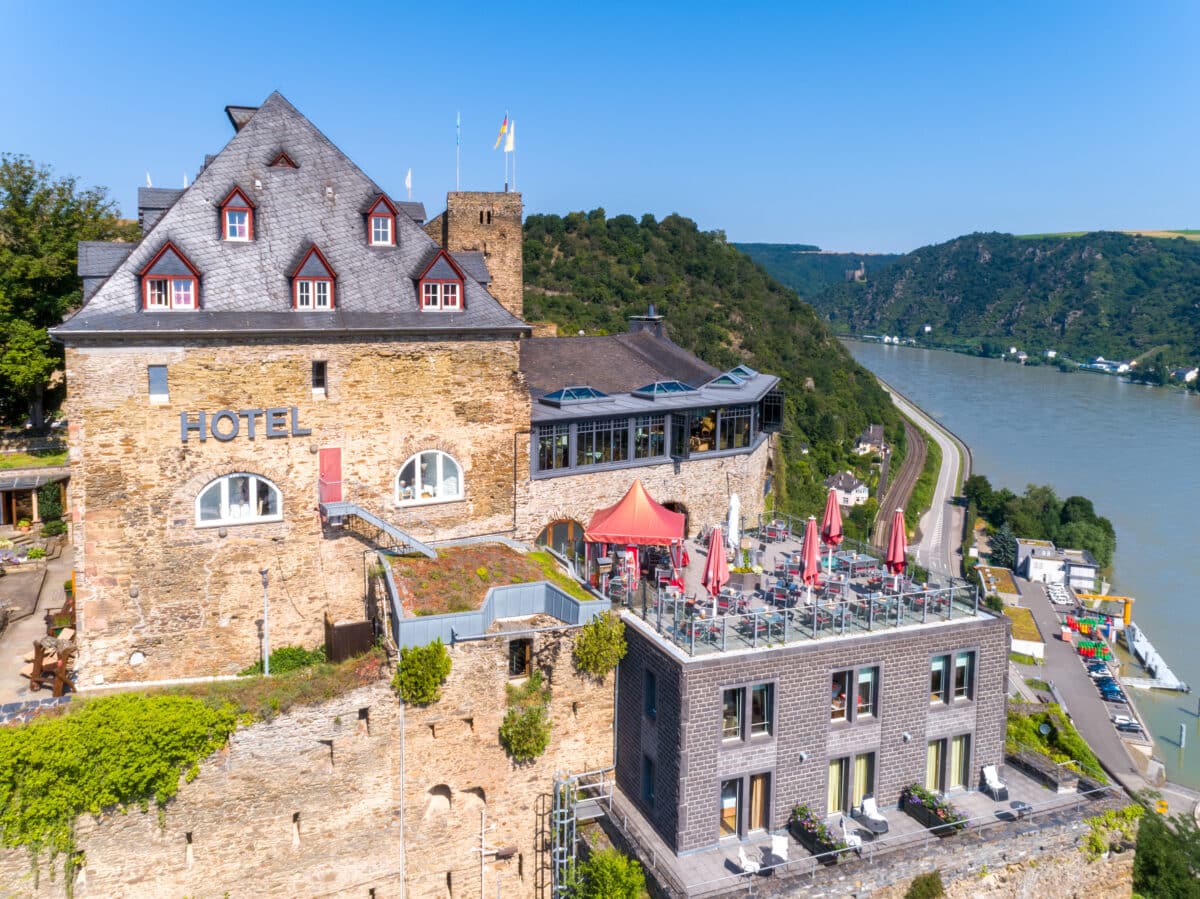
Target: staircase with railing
337,512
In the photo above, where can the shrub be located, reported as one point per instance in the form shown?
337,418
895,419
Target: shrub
525,732
287,658
600,645
36,552
926,886
24,523
54,528
421,672
610,874
995,603
1111,828
50,502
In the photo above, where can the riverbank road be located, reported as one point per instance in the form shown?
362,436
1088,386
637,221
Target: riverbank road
941,527
1088,711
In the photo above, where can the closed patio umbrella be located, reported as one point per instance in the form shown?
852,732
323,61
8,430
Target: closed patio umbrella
716,569
810,557
897,548
831,525
735,522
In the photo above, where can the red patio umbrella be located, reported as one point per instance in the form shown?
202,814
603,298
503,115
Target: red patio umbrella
716,569
831,525
897,548
811,555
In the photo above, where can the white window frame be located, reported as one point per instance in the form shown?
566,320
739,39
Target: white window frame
439,293
418,486
164,294
231,228
386,239
227,519
313,293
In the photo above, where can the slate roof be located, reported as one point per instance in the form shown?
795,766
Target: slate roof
473,265
843,481
413,209
99,259
619,363
246,287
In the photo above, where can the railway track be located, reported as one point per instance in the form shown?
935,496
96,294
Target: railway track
902,486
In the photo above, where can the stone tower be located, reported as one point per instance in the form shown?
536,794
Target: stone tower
489,223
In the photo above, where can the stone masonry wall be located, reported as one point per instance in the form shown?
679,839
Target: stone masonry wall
801,722
703,486
188,598
490,223
455,768
304,805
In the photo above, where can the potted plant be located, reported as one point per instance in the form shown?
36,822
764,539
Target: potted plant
744,576
931,811
24,525
815,836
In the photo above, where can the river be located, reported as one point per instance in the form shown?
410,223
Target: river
1133,450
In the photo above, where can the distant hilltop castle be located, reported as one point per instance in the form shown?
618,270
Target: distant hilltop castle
857,275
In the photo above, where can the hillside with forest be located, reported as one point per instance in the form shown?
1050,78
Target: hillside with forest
586,271
809,270
1106,293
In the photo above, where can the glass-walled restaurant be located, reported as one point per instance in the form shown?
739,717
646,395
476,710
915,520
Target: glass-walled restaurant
565,447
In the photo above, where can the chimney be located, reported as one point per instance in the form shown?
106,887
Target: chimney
651,321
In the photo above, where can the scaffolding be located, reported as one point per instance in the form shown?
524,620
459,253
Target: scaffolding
577,797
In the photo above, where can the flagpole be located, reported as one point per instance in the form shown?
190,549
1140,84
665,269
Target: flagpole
458,151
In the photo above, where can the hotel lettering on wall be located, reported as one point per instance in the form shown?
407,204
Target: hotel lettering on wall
281,421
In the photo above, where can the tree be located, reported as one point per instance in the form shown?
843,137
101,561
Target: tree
610,874
42,218
421,672
1004,547
1168,857
978,489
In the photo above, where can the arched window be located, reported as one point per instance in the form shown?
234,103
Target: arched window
238,499
429,477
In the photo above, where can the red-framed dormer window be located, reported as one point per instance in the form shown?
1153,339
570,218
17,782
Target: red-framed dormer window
170,283
313,283
441,284
381,223
282,160
237,216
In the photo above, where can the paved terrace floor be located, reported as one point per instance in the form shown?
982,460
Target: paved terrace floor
717,872
857,597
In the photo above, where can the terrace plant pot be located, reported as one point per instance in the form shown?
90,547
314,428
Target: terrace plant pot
745,581
931,812
815,836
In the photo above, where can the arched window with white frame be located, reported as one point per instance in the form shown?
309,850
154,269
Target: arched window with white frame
430,476
238,499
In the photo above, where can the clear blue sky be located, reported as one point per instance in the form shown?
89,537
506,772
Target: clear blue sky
859,127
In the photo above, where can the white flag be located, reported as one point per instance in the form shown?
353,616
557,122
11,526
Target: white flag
508,141
149,183
185,180
408,180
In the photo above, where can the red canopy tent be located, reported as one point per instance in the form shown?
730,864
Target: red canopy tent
637,519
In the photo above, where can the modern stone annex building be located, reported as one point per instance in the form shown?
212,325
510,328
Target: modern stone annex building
292,368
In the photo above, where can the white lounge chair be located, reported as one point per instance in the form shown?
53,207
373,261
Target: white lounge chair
779,849
748,866
870,817
993,785
851,838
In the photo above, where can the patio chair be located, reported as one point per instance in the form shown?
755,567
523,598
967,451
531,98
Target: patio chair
870,817
993,785
852,839
747,866
779,849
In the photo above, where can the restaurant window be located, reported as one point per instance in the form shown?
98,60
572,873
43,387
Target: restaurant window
648,780
520,654
761,701
703,437
650,695
601,441
238,499
839,694
553,447
770,412
865,692
429,477
158,383
564,536
731,718
650,437
680,431
964,675
939,678
735,428
854,694
731,806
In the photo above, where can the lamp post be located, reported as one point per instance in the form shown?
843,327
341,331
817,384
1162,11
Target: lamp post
266,643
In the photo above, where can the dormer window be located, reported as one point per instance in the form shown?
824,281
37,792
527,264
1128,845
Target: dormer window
381,223
312,283
170,282
282,159
441,284
237,217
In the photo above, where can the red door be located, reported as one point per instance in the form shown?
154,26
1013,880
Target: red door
329,479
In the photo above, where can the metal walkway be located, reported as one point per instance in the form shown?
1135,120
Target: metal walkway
334,512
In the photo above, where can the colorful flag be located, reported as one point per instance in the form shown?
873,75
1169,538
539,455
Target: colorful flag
512,129
503,131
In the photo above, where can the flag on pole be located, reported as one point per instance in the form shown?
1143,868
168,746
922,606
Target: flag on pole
185,184
408,183
503,131
508,144
458,129
149,183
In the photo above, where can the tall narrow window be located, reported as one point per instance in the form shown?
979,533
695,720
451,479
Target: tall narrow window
158,383
319,378
839,696
956,775
933,764
520,656
731,806
864,777
237,217
964,671
381,223
650,695
838,772
648,780
865,693
553,445
731,718
760,802
938,678
760,710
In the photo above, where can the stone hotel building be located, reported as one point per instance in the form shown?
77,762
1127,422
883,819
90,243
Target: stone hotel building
292,368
